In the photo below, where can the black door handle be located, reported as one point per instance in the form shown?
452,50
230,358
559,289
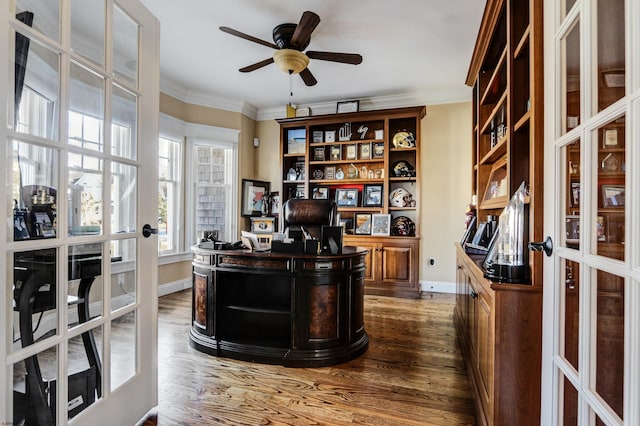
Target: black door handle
147,230
546,246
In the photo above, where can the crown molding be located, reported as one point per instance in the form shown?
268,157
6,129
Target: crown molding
428,96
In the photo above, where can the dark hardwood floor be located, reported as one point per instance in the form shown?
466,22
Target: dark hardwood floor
412,374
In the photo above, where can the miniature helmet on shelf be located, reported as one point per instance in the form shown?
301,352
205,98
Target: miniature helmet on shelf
400,197
403,226
404,139
402,168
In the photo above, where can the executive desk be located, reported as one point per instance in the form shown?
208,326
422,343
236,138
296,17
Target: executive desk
293,310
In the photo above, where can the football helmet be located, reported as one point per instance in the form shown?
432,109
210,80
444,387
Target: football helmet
403,226
404,139
400,197
402,168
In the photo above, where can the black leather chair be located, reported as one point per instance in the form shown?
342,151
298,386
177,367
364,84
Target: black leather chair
299,213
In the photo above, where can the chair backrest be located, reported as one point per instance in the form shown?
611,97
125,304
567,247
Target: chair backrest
310,214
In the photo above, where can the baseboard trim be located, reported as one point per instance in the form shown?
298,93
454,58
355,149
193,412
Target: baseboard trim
174,287
437,286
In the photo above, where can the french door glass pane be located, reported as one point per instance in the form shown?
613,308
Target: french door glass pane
36,90
34,296
85,194
88,20
124,127
611,46
125,47
34,183
86,118
123,197
84,370
571,78
610,339
123,277
123,349
611,189
571,311
571,155
35,376
46,15
570,405
84,290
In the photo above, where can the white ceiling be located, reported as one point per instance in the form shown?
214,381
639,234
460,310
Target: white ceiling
415,48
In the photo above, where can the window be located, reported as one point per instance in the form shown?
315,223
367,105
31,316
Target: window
34,114
169,206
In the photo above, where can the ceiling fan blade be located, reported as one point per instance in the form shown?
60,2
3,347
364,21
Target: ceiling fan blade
345,58
308,78
247,37
308,22
257,65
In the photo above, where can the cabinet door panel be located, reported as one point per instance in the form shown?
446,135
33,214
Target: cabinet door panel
397,265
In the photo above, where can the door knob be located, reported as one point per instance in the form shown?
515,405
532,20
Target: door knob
147,230
546,246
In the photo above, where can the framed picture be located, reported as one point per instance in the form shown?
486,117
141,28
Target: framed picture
347,106
320,193
378,150
351,152
275,203
610,138
572,229
20,231
347,224
574,197
317,135
380,224
318,153
330,136
347,197
600,229
253,192
613,195
362,225
330,172
372,196
263,225
335,152
365,151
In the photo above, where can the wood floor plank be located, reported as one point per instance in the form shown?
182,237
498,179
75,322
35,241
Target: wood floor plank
412,374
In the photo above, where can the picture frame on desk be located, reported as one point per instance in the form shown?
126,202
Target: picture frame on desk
253,195
263,225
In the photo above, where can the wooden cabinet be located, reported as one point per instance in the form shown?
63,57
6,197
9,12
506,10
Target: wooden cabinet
391,265
500,334
500,324
369,162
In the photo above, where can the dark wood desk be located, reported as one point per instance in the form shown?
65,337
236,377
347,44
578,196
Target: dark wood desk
292,310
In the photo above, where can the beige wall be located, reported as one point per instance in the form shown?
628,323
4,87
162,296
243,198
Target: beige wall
445,187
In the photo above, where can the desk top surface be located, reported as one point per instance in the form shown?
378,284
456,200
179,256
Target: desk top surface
347,251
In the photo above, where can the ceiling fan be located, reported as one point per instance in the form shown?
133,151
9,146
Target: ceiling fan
290,41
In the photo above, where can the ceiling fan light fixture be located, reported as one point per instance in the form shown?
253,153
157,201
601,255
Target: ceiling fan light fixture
290,60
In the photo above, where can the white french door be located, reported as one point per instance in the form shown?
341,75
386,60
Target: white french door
78,334
591,342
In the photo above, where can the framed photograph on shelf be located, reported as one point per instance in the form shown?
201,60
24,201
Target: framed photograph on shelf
318,135
378,150
347,224
347,106
572,229
330,172
613,196
574,196
275,203
253,196
351,152
318,153
347,197
330,136
365,151
610,138
362,225
380,224
335,152
372,196
320,193
601,233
